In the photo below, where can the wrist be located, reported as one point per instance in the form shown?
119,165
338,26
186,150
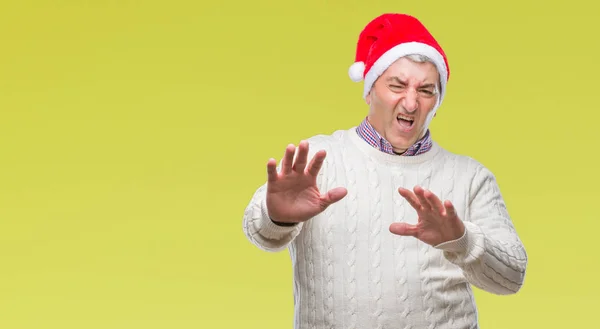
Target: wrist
277,222
273,228
459,244
283,224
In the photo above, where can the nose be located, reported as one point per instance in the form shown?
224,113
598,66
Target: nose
411,101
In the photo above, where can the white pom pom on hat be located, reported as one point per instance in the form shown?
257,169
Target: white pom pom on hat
357,71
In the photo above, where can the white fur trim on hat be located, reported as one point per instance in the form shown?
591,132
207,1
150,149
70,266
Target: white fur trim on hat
390,56
356,71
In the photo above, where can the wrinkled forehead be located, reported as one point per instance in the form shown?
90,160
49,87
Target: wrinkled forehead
413,72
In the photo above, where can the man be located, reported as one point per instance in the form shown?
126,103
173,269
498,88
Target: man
371,241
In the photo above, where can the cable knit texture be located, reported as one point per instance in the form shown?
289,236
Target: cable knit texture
351,272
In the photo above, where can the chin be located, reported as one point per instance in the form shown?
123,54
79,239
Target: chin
403,136
400,144
403,140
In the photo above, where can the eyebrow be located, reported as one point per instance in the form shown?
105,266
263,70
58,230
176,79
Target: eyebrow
396,79
428,85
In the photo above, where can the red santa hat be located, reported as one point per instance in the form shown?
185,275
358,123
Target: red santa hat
387,38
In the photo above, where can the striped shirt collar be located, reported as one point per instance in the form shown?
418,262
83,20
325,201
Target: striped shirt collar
366,131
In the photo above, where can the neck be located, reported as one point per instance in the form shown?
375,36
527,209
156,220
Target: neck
391,159
398,151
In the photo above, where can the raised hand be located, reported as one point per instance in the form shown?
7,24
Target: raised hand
437,223
292,194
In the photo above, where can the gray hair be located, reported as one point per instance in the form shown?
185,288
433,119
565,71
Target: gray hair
419,58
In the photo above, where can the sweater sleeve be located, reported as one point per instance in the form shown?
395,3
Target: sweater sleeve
490,253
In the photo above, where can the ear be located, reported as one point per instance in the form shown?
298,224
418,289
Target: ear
368,98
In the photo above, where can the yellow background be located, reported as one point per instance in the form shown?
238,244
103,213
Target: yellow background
133,134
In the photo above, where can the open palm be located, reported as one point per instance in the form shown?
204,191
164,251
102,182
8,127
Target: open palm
292,194
437,222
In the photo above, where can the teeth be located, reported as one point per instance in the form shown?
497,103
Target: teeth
400,116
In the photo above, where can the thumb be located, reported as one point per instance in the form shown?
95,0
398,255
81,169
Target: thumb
403,229
333,196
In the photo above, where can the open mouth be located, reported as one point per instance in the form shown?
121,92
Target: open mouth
405,122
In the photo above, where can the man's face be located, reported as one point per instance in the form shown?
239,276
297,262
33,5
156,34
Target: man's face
400,100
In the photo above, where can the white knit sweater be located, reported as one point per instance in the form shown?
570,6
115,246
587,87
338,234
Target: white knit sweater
351,272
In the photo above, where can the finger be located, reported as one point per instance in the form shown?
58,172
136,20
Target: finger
333,196
300,162
434,201
403,229
316,163
271,170
288,158
450,210
419,192
410,197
